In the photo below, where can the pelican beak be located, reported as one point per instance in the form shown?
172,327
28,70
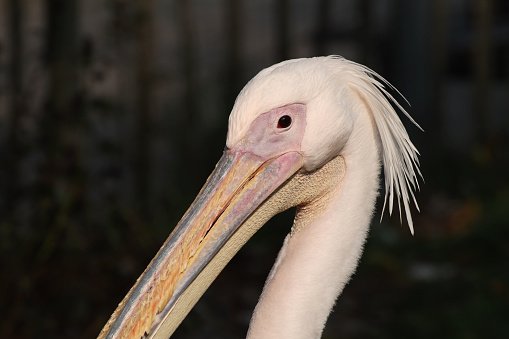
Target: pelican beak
188,261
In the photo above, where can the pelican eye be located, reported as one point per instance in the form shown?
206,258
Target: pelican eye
284,122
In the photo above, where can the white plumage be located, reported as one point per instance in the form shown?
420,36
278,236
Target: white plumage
323,84
310,133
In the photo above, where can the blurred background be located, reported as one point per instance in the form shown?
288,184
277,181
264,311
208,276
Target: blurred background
114,112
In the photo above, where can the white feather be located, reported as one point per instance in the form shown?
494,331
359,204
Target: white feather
399,155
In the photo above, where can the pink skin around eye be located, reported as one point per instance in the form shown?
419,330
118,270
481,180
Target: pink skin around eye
266,140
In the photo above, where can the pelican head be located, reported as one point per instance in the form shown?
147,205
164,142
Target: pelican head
309,133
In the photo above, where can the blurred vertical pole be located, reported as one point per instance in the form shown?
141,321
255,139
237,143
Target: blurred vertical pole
144,107
439,15
233,50
62,44
186,133
59,181
364,31
186,26
483,12
283,29
16,108
322,32
62,57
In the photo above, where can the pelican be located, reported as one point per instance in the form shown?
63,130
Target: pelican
310,133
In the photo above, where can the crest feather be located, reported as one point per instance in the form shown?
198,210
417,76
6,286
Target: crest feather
399,155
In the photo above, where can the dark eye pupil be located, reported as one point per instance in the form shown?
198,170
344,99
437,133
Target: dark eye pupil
284,122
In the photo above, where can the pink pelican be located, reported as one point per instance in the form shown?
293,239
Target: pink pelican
310,133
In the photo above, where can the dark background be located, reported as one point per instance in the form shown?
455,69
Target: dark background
114,112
